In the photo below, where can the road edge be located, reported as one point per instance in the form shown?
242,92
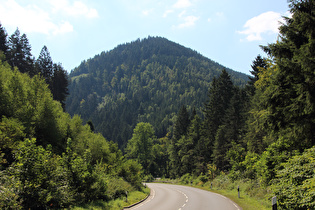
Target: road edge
132,205
205,189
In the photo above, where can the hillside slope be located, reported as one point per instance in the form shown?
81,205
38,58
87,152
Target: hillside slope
145,80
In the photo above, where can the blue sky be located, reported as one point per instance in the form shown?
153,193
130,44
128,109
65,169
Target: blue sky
226,31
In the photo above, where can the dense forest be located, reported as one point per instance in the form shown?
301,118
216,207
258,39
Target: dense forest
174,113
143,81
47,158
263,133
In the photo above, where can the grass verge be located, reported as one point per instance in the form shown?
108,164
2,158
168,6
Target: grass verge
117,204
245,202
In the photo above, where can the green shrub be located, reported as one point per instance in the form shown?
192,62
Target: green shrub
295,183
130,171
117,187
186,179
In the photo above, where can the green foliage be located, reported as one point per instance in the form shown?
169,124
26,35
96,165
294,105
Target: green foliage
117,187
144,81
10,187
140,145
186,179
40,177
258,64
16,50
130,171
295,183
290,95
38,168
19,53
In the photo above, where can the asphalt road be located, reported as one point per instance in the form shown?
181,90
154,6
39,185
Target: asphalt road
176,197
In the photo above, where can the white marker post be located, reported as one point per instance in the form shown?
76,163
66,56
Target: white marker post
274,203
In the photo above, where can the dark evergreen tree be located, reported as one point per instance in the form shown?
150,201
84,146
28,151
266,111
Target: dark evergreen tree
258,63
3,40
290,97
182,123
180,129
19,53
231,130
44,66
188,149
59,87
220,94
90,123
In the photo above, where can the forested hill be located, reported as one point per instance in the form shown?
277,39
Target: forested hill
143,81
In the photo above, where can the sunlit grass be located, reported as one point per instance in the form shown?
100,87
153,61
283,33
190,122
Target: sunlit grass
117,204
245,201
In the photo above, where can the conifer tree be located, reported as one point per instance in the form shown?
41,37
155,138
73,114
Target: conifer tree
182,123
290,98
231,130
258,63
59,84
180,129
19,53
44,66
220,94
3,40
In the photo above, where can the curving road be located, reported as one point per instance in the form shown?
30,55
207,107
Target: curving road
176,197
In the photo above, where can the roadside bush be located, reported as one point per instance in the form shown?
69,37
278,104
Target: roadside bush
39,177
130,171
186,179
148,178
117,187
295,183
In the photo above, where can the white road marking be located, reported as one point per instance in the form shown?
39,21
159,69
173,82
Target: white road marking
185,197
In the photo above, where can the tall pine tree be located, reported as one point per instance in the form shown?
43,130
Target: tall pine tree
3,40
220,94
19,53
290,98
180,129
258,65
44,65
60,84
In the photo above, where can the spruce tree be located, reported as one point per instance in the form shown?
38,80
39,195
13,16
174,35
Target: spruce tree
290,98
182,123
220,94
180,129
60,84
44,66
19,53
258,63
231,130
3,40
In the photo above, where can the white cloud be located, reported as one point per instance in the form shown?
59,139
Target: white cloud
75,9
267,22
182,4
189,22
30,19
182,14
42,19
63,28
167,12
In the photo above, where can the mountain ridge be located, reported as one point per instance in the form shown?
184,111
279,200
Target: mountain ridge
144,80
